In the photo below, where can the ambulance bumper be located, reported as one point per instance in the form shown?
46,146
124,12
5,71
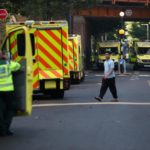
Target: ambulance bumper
51,84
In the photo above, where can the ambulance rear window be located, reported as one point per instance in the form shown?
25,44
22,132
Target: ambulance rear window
21,44
79,49
32,44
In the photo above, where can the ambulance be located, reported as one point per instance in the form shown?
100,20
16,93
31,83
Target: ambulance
76,65
139,55
17,43
50,56
113,46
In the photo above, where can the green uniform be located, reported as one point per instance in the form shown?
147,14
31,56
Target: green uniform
7,104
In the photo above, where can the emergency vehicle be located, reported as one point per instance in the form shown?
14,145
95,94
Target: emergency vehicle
76,65
17,44
139,54
113,46
49,40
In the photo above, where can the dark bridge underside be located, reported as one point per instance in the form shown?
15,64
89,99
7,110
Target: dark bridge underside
138,13
104,18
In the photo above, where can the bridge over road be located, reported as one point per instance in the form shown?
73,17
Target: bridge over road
92,20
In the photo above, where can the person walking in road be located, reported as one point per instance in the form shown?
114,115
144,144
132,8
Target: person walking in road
7,103
108,79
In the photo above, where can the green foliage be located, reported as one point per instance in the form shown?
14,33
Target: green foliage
46,9
138,30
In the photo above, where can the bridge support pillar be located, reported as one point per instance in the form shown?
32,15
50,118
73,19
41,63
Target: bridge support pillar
81,26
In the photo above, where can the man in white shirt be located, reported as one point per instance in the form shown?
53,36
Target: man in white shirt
108,79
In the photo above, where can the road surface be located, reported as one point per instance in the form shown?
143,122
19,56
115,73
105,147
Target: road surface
81,123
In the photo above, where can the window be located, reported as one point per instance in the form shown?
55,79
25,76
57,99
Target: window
132,51
32,44
79,49
143,51
5,47
114,50
21,44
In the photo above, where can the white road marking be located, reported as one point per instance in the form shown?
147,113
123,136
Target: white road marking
148,82
91,104
134,79
99,75
144,75
99,83
121,75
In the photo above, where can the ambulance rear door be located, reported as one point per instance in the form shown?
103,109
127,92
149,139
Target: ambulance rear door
18,44
50,53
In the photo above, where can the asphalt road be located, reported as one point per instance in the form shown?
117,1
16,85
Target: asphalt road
80,123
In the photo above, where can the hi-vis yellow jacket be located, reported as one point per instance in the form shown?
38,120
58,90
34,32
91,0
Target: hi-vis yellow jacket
6,80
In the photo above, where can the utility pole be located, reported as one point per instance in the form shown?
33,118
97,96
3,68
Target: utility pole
121,33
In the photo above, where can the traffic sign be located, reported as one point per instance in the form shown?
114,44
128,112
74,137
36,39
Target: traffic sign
129,12
3,13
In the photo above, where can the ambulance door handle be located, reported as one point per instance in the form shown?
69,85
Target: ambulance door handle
34,60
29,73
30,78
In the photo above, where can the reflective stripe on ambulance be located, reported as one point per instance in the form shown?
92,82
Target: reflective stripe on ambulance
73,57
51,55
13,46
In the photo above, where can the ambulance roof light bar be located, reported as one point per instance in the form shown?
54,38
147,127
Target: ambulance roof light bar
29,22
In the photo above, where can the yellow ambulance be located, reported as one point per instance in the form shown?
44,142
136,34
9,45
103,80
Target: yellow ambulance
76,62
140,55
49,41
113,46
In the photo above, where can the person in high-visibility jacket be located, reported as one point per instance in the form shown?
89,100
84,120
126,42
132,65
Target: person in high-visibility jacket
7,104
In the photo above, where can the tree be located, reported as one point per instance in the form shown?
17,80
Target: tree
46,9
137,30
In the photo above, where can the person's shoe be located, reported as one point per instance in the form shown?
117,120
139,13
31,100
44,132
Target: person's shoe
98,98
115,100
10,133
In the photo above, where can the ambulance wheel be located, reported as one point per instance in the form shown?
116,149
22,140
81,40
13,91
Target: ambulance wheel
69,84
82,79
61,94
78,81
58,94
135,67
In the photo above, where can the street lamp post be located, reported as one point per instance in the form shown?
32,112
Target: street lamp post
121,32
122,14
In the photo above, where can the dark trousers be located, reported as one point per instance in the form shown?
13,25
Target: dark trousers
7,110
112,87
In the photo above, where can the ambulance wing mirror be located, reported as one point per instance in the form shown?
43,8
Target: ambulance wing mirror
21,44
132,51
